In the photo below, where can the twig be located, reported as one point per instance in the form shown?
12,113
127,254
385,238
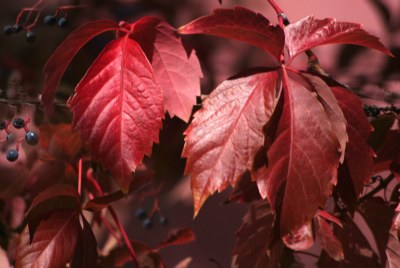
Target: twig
378,188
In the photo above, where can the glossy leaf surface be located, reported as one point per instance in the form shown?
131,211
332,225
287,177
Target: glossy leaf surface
117,107
240,24
177,74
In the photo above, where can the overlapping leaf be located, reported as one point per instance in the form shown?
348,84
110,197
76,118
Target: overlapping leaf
177,74
53,244
358,158
226,133
118,108
309,32
240,24
303,159
62,57
253,236
328,240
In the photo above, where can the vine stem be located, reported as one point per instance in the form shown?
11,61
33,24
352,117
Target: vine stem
99,192
378,188
80,175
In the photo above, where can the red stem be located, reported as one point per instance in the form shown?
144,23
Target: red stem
278,11
99,192
124,235
80,175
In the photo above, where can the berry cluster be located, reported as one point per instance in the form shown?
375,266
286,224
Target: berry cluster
31,137
147,222
30,35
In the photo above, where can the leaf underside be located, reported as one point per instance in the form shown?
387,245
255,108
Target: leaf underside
227,132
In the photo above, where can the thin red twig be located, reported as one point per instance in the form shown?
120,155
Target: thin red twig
80,175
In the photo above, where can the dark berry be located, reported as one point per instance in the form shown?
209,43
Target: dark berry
163,221
30,37
12,155
32,138
140,214
147,223
62,22
49,20
3,125
8,29
11,137
17,28
18,122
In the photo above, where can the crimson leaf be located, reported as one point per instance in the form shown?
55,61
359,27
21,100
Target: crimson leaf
358,157
85,254
328,240
252,237
53,244
309,32
117,107
303,159
240,24
227,132
178,237
177,75
61,58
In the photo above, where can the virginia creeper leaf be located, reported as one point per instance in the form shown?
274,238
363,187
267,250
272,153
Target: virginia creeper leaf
63,55
227,132
358,157
117,107
53,244
393,250
378,215
54,198
252,237
85,254
177,74
240,24
332,109
328,240
356,248
303,160
309,32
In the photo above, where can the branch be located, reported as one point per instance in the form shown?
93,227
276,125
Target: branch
378,188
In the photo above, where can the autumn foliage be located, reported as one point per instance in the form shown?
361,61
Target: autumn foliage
294,144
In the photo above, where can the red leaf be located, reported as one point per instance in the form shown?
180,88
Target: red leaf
328,240
63,55
53,244
177,237
227,132
240,24
245,191
177,75
253,236
378,215
301,239
356,248
85,254
309,32
54,198
358,157
117,107
393,250
303,159
331,107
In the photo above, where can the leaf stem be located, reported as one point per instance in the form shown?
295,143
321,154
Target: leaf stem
80,175
99,192
283,20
